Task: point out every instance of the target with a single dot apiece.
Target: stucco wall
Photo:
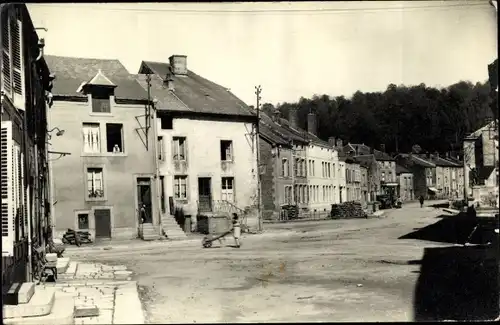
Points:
(406, 191)
(321, 154)
(203, 141)
(119, 170)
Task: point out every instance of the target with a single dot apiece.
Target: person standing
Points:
(236, 229)
(421, 199)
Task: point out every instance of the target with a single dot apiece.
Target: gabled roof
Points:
(476, 134)
(362, 149)
(418, 160)
(100, 80)
(441, 162)
(72, 72)
(166, 98)
(401, 170)
(199, 95)
(267, 133)
(278, 128)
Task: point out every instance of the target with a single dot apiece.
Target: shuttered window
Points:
(6, 63)
(7, 190)
(12, 58)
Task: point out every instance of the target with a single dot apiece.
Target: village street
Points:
(336, 270)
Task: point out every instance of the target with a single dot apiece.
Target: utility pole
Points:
(258, 91)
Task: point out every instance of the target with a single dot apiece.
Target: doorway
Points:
(144, 207)
(102, 223)
(205, 194)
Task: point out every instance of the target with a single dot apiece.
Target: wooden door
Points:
(102, 223)
(204, 194)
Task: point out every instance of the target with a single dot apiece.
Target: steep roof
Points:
(418, 160)
(72, 72)
(198, 94)
(101, 80)
(476, 134)
(401, 170)
(363, 149)
(267, 133)
(441, 162)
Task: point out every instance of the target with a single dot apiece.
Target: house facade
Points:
(206, 144)
(104, 178)
(424, 174)
(373, 169)
(353, 180)
(365, 172)
(25, 99)
(406, 184)
(481, 179)
(447, 173)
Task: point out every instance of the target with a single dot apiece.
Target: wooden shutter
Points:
(7, 190)
(16, 57)
(6, 62)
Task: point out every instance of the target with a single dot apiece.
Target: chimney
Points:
(312, 123)
(276, 115)
(437, 154)
(292, 118)
(382, 147)
(448, 155)
(169, 82)
(178, 65)
(340, 143)
(331, 141)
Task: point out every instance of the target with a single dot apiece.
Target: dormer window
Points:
(100, 89)
(101, 100)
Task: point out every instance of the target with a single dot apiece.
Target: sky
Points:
(292, 50)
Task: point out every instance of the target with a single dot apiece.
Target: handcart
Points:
(209, 239)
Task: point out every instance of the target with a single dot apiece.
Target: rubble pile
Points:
(347, 210)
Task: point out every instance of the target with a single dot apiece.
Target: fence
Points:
(285, 215)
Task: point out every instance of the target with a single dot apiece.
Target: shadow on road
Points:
(456, 229)
(457, 283)
(440, 205)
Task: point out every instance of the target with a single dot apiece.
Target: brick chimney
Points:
(292, 118)
(331, 141)
(339, 143)
(178, 64)
(312, 123)
(382, 147)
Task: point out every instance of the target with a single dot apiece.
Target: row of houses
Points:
(140, 148)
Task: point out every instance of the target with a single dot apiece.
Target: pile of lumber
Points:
(347, 210)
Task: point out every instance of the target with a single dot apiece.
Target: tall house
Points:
(206, 144)
(481, 165)
(104, 177)
(25, 95)
(284, 165)
(424, 174)
(405, 181)
(447, 173)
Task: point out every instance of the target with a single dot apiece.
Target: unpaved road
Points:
(350, 270)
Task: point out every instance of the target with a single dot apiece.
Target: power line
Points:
(282, 11)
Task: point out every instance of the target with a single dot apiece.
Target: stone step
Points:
(19, 293)
(39, 305)
(62, 264)
(62, 313)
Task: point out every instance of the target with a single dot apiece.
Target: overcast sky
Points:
(333, 48)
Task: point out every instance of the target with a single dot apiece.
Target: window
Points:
(383, 177)
(160, 148)
(303, 166)
(179, 148)
(114, 137)
(12, 77)
(162, 194)
(226, 150)
(329, 170)
(313, 169)
(284, 167)
(227, 193)
(83, 221)
(288, 195)
(101, 101)
(333, 170)
(91, 138)
(295, 194)
(310, 168)
(296, 167)
(180, 187)
(166, 122)
(95, 186)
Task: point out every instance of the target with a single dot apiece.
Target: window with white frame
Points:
(161, 149)
(227, 193)
(180, 187)
(296, 167)
(95, 183)
(179, 148)
(288, 195)
(91, 138)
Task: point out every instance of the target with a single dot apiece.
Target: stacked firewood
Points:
(347, 210)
